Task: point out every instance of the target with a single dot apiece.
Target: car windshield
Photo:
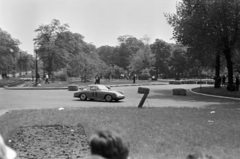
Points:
(102, 87)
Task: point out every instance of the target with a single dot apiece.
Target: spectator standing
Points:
(96, 79)
(237, 83)
(134, 78)
(46, 79)
(108, 145)
(5, 151)
(99, 77)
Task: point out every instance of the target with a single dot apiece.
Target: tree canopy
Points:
(205, 24)
(8, 51)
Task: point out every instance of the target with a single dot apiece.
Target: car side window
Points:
(93, 88)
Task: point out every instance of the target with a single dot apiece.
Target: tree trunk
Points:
(230, 69)
(217, 83)
(227, 53)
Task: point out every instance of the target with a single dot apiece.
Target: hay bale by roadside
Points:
(179, 91)
(142, 89)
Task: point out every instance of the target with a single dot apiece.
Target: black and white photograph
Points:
(119, 79)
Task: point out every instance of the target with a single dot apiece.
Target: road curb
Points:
(35, 88)
(213, 95)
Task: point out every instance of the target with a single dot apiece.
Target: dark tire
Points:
(83, 96)
(108, 98)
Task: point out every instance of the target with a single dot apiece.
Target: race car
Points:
(99, 92)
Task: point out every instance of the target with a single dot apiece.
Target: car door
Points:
(100, 93)
(93, 92)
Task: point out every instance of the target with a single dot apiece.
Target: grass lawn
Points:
(217, 91)
(153, 133)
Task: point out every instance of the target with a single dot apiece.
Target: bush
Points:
(143, 77)
(231, 88)
(61, 77)
(145, 74)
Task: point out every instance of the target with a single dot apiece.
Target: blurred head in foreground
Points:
(5, 151)
(109, 145)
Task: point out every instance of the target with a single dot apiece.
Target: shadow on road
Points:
(96, 101)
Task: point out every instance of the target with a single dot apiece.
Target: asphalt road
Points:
(159, 96)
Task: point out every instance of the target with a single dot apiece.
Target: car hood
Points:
(114, 91)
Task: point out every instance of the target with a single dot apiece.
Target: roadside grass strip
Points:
(152, 132)
(216, 92)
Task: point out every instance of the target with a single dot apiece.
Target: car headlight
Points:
(119, 94)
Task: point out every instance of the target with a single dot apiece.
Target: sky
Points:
(101, 22)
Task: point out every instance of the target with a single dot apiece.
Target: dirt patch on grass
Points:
(50, 142)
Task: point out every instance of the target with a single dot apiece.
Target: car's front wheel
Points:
(108, 98)
(83, 96)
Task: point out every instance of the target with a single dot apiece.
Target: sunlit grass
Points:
(153, 132)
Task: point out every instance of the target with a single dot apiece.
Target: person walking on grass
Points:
(106, 144)
(46, 79)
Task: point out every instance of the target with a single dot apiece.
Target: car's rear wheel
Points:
(108, 98)
(83, 96)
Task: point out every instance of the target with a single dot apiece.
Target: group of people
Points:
(4, 75)
(97, 79)
(222, 81)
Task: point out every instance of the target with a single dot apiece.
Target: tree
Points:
(162, 52)
(8, 51)
(25, 61)
(124, 53)
(208, 24)
(85, 61)
(54, 46)
(179, 62)
(106, 54)
(141, 60)
(122, 56)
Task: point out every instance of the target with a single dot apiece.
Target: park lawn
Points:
(217, 91)
(153, 133)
